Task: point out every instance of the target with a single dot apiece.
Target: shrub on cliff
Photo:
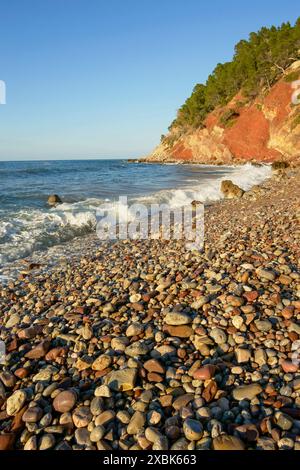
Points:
(257, 64)
(229, 117)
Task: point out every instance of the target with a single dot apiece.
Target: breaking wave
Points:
(28, 230)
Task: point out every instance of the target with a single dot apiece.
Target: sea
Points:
(28, 225)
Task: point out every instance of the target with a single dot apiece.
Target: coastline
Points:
(233, 163)
(36, 234)
(145, 345)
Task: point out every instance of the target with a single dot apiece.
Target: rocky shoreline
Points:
(146, 345)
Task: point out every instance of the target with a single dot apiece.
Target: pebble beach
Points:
(146, 345)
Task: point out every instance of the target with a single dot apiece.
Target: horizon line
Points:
(67, 159)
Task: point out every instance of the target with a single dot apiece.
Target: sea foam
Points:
(30, 230)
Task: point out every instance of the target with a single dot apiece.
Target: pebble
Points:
(8, 379)
(177, 318)
(122, 380)
(105, 417)
(32, 414)
(97, 433)
(15, 402)
(103, 391)
(82, 417)
(47, 442)
(286, 444)
(96, 406)
(218, 335)
(237, 322)
(12, 321)
(31, 443)
(65, 401)
(135, 329)
(246, 392)
(136, 423)
(242, 355)
(205, 373)
(102, 362)
(263, 325)
(290, 367)
(283, 421)
(153, 365)
(266, 274)
(82, 437)
(265, 443)
(225, 442)
(39, 351)
(193, 430)
(260, 357)
(136, 349)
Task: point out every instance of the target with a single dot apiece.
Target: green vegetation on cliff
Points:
(256, 65)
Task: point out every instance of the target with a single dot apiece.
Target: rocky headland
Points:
(261, 129)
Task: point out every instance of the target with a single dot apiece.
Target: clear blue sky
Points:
(95, 78)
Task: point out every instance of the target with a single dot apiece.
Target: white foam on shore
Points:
(33, 230)
(209, 189)
(245, 177)
(28, 231)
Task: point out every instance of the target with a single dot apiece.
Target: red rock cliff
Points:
(263, 130)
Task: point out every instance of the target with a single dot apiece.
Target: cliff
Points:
(264, 129)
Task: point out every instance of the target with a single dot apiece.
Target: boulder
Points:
(280, 165)
(231, 190)
(54, 199)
